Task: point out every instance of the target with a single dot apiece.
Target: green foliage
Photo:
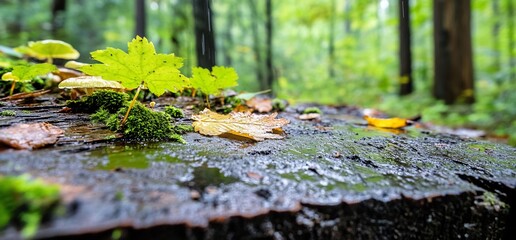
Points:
(108, 100)
(25, 201)
(279, 104)
(28, 72)
(214, 82)
(183, 128)
(174, 112)
(312, 110)
(140, 65)
(8, 113)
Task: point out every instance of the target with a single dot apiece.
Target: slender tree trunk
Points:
(378, 31)
(140, 18)
(259, 66)
(229, 39)
(406, 83)
(453, 62)
(511, 45)
(18, 26)
(58, 10)
(495, 32)
(347, 17)
(331, 42)
(204, 37)
(269, 73)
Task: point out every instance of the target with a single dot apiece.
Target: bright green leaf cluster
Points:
(214, 82)
(25, 73)
(26, 200)
(140, 65)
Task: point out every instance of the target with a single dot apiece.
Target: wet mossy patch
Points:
(109, 100)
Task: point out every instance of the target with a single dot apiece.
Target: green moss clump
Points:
(8, 113)
(142, 123)
(279, 104)
(26, 202)
(312, 110)
(174, 112)
(110, 100)
(101, 116)
(183, 128)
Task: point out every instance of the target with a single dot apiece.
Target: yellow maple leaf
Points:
(386, 122)
(242, 124)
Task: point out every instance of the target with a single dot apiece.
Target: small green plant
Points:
(213, 82)
(26, 201)
(142, 123)
(312, 110)
(7, 113)
(279, 104)
(25, 73)
(140, 67)
(174, 112)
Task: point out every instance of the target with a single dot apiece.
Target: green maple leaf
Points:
(25, 73)
(140, 65)
(214, 82)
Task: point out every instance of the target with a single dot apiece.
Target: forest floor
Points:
(330, 178)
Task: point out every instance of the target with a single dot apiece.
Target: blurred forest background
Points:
(326, 51)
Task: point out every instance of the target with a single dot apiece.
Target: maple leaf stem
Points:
(131, 105)
(208, 100)
(12, 88)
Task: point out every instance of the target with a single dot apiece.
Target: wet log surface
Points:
(330, 179)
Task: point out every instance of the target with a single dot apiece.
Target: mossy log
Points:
(334, 178)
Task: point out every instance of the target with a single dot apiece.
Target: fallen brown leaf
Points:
(251, 126)
(30, 136)
(262, 105)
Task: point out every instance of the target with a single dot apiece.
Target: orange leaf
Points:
(386, 122)
(247, 125)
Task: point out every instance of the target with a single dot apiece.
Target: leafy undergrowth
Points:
(493, 111)
(26, 202)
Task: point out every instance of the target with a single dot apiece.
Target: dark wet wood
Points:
(332, 178)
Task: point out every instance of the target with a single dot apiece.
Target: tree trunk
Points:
(228, 61)
(347, 17)
(453, 63)
(269, 71)
(495, 31)
(331, 42)
(406, 85)
(204, 37)
(511, 45)
(140, 18)
(58, 10)
(259, 66)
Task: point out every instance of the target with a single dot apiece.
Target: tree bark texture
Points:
(58, 10)
(204, 36)
(406, 83)
(511, 44)
(140, 18)
(453, 62)
(269, 73)
(257, 44)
